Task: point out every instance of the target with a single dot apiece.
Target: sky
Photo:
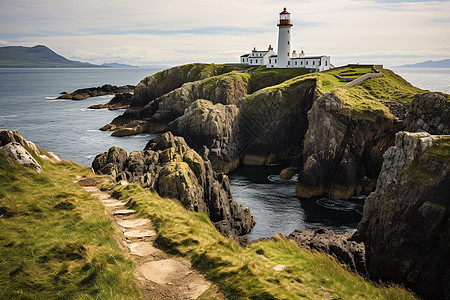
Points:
(174, 32)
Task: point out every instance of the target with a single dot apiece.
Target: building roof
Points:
(308, 57)
(284, 11)
(272, 56)
(245, 55)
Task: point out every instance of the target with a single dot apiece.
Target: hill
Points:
(38, 56)
(445, 63)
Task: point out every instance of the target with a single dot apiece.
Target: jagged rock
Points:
(348, 252)
(12, 136)
(120, 101)
(158, 113)
(268, 127)
(20, 155)
(342, 153)
(406, 221)
(428, 112)
(106, 89)
(171, 168)
(213, 126)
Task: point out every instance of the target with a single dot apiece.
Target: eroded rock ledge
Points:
(172, 169)
(346, 251)
(106, 89)
(406, 221)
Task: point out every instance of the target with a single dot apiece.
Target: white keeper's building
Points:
(285, 58)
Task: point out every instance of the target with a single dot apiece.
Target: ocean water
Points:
(28, 103)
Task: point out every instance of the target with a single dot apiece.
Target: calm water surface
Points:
(28, 104)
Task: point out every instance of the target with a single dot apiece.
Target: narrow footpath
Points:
(158, 274)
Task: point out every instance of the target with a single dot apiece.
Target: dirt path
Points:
(159, 275)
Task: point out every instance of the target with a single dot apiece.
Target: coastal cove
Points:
(71, 130)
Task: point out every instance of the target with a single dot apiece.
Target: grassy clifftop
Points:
(55, 240)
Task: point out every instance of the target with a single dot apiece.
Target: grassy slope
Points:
(248, 273)
(56, 241)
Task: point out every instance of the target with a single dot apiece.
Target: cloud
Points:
(173, 32)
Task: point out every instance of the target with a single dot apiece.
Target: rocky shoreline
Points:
(338, 147)
(106, 89)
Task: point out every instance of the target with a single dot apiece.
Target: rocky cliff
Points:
(342, 153)
(428, 112)
(406, 221)
(172, 169)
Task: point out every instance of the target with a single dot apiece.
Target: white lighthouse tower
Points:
(284, 39)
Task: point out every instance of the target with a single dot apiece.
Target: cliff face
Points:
(406, 221)
(428, 112)
(267, 126)
(272, 123)
(343, 150)
(172, 169)
(210, 128)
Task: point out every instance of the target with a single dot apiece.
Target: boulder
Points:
(346, 251)
(406, 221)
(171, 168)
(19, 154)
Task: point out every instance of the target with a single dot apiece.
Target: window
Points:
(326, 63)
(314, 63)
(275, 60)
(289, 63)
(288, 42)
(288, 54)
(306, 62)
(295, 62)
(251, 61)
(288, 30)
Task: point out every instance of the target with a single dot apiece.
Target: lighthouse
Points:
(285, 58)
(284, 39)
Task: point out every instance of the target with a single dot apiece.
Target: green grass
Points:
(391, 87)
(55, 240)
(359, 102)
(350, 72)
(247, 273)
(440, 151)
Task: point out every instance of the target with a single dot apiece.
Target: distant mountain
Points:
(38, 56)
(116, 65)
(429, 64)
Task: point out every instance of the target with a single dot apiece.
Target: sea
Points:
(29, 104)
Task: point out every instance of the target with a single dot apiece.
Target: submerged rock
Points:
(172, 169)
(406, 221)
